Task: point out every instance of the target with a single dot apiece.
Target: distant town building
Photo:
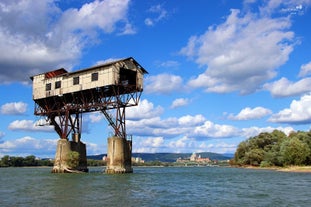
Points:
(134, 159)
(137, 160)
(194, 158)
(105, 158)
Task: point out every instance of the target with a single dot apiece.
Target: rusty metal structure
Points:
(61, 97)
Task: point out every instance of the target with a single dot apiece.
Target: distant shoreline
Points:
(296, 169)
(302, 169)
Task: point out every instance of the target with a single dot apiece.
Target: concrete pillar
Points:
(63, 158)
(119, 156)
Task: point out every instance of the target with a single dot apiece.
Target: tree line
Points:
(275, 149)
(31, 160)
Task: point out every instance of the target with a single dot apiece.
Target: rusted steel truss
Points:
(65, 112)
(66, 124)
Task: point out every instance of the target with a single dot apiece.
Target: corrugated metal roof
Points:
(54, 73)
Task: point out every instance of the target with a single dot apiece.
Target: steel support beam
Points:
(65, 112)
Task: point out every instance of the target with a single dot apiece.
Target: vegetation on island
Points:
(29, 161)
(275, 149)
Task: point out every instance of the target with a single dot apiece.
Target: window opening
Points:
(94, 76)
(127, 77)
(57, 84)
(76, 80)
(48, 86)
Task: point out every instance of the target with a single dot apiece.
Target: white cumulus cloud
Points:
(38, 35)
(15, 108)
(180, 144)
(144, 110)
(299, 112)
(191, 120)
(96, 117)
(96, 14)
(29, 125)
(250, 113)
(212, 130)
(285, 88)
(163, 84)
(305, 70)
(153, 142)
(254, 131)
(240, 54)
(180, 102)
(28, 146)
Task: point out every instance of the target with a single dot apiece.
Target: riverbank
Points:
(296, 169)
(306, 169)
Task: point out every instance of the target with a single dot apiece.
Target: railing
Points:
(129, 137)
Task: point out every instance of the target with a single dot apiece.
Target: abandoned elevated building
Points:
(61, 97)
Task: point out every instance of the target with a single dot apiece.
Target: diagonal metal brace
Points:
(112, 123)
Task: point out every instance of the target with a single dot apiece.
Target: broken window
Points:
(127, 77)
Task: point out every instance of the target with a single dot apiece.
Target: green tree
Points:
(30, 161)
(45, 162)
(294, 151)
(262, 140)
(275, 148)
(17, 161)
(254, 156)
(273, 156)
(239, 155)
(305, 137)
(5, 161)
(91, 162)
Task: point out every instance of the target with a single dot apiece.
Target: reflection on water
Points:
(170, 186)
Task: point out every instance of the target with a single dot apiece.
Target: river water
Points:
(158, 186)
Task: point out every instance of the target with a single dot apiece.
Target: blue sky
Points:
(219, 71)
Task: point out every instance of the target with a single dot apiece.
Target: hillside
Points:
(168, 157)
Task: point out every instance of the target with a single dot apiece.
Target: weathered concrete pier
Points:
(119, 155)
(70, 156)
